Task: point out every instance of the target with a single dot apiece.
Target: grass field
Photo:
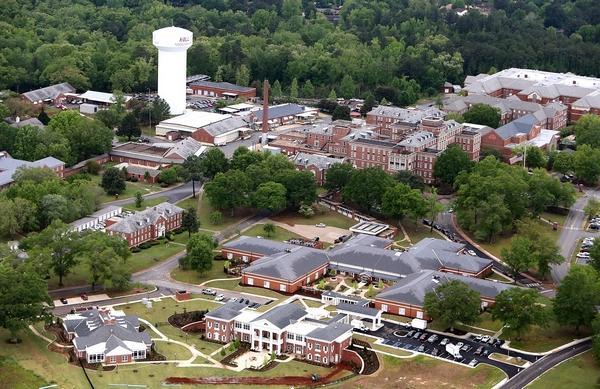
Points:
(147, 203)
(136, 262)
(131, 188)
(172, 351)
(417, 232)
(581, 372)
(193, 277)
(280, 233)
(14, 376)
(205, 209)
(234, 285)
(323, 215)
(428, 373)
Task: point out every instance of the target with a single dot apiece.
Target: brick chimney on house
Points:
(265, 112)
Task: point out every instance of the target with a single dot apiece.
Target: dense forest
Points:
(398, 49)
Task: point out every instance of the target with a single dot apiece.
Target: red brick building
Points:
(222, 89)
(317, 164)
(147, 225)
(9, 165)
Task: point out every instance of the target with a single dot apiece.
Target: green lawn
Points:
(581, 372)
(14, 376)
(323, 215)
(554, 217)
(234, 285)
(131, 188)
(280, 233)
(417, 232)
(147, 203)
(136, 262)
(504, 242)
(193, 277)
(188, 203)
(172, 351)
(205, 209)
(545, 339)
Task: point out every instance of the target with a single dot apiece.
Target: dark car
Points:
(410, 334)
(416, 335)
(479, 350)
(64, 300)
(424, 336)
(421, 348)
(84, 297)
(485, 353)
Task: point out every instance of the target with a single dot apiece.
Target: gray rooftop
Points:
(25, 122)
(407, 115)
(412, 289)
(366, 240)
(280, 111)
(417, 139)
(222, 85)
(522, 125)
(462, 103)
(283, 315)
(331, 332)
(144, 218)
(49, 92)
(429, 253)
(322, 162)
(260, 246)
(288, 265)
(227, 311)
(358, 300)
(9, 165)
(356, 308)
(226, 125)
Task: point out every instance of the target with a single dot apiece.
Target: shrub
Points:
(145, 245)
(154, 243)
(135, 250)
(92, 167)
(133, 179)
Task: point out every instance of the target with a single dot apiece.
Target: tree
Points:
(347, 87)
(129, 126)
(586, 164)
(242, 76)
(332, 95)
(518, 309)
(190, 221)
(269, 229)
(308, 90)
(577, 297)
(160, 110)
(23, 293)
(276, 91)
(594, 260)
(535, 158)
(243, 158)
(453, 302)
(366, 187)
(368, 105)
(57, 245)
(450, 163)
(563, 162)
(291, 8)
(434, 207)
(194, 169)
(139, 200)
(168, 176)
(306, 210)
(215, 218)
(199, 253)
(400, 200)
(408, 178)
(103, 254)
(483, 114)
(519, 257)
(338, 175)
(596, 338)
(294, 89)
(341, 112)
(228, 190)
(587, 130)
(270, 196)
(113, 182)
(300, 187)
(592, 208)
(213, 162)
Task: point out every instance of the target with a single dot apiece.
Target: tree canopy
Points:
(483, 114)
(453, 302)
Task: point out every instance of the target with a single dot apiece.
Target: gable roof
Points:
(227, 311)
(283, 315)
(222, 85)
(279, 111)
(330, 332)
(289, 265)
(226, 125)
(321, 162)
(413, 288)
(522, 125)
(49, 92)
(144, 218)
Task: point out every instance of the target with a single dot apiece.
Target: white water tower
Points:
(172, 44)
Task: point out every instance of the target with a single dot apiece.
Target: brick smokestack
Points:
(265, 112)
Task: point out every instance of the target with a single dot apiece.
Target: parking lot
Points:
(472, 352)
(583, 256)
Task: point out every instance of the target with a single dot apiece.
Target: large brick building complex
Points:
(578, 93)
(146, 225)
(284, 329)
(221, 89)
(9, 165)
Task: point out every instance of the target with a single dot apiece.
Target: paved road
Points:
(391, 331)
(572, 231)
(173, 195)
(526, 376)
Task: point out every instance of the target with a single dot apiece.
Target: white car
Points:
(219, 297)
(473, 362)
(583, 255)
(471, 252)
(321, 225)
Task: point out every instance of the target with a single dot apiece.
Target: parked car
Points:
(410, 334)
(479, 350)
(444, 342)
(219, 297)
(321, 225)
(465, 348)
(485, 338)
(435, 352)
(478, 338)
(473, 362)
(432, 338)
(84, 297)
(64, 300)
(485, 353)
(423, 337)
(498, 343)
(471, 252)
(583, 255)
(492, 341)
(416, 335)
(459, 344)
(421, 348)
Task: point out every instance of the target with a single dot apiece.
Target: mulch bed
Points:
(369, 357)
(181, 319)
(287, 381)
(57, 330)
(228, 360)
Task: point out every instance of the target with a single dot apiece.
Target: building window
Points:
(210, 324)
(324, 359)
(216, 326)
(267, 284)
(223, 338)
(290, 336)
(282, 287)
(317, 347)
(247, 327)
(310, 346)
(325, 348)
(384, 307)
(310, 357)
(250, 281)
(125, 358)
(112, 360)
(317, 358)
(209, 335)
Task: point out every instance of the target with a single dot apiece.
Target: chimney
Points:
(265, 112)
